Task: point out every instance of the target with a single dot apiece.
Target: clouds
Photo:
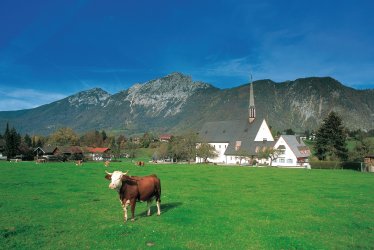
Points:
(17, 99)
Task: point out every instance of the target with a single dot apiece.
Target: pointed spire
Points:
(251, 108)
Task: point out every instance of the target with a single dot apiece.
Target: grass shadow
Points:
(164, 208)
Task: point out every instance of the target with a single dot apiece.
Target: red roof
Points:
(165, 137)
(97, 150)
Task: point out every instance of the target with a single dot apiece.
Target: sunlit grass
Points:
(61, 206)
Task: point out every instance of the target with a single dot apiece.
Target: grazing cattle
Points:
(140, 163)
(79, 163)
(41, 160)
(135, 188)
(107, 163)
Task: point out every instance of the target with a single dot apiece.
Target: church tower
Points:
(251, 108)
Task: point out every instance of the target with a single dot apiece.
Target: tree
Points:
(121, 141)
(64, 136)
(92, 138)
(269, 153)
(289, 131)
(12, 142)
(104, 135)
(242, 154)
(161, 152)
(177, 148)
(363, 148)
(205, 151)
(190, 140)
(28, 140)
(146, 140)
(331, 139)
(131, 149)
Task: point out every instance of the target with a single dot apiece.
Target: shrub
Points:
(335, 165)
(325, 164)
(351, 165)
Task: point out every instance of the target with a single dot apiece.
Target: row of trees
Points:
(330, 143)
(180, 148)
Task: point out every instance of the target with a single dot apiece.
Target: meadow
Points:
(62, 206)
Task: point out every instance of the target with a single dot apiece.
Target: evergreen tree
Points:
(12, 142)
(104, 135)
(331, 139)
(28, 140)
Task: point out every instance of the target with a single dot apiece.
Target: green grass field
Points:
(61, 206)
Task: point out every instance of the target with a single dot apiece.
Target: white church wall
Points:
(264, 133)
(220, 148)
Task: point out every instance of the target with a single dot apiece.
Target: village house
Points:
(291, 151)
(246, 139)
(97, 154)
(165, 137)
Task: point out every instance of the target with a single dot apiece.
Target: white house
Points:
(292, 152)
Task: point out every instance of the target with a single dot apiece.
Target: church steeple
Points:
(251, 108)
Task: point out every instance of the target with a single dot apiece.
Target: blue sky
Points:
(52, 49)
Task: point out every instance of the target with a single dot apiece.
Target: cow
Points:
(107, 163)
(78, 163)
(140, 163)
(41, 160)
(135, 188)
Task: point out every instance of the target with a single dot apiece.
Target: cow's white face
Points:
(116, 180)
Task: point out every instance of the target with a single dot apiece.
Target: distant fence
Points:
(336, 165)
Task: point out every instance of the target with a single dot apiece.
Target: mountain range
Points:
(175, 103)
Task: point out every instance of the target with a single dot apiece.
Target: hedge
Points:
(335, 165)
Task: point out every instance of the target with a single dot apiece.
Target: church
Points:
(242, 141)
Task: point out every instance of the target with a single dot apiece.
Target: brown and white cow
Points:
(135, 188)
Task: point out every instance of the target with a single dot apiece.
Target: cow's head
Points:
(115, 179)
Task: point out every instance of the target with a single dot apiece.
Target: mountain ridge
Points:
(176, 103)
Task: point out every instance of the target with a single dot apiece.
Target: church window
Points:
(281, 160)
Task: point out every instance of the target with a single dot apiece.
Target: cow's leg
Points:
(124, 206)
(133, 203)
(158, 203)
(149, 208)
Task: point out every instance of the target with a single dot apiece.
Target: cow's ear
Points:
(108, 177)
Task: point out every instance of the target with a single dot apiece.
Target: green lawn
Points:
(61, 206)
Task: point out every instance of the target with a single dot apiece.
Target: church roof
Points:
(233, 131)
(220, 131)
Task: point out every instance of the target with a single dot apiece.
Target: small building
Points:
(97, 154)
(44, 152)
(69, 153)
(165, 137)
(369, 162)
(291, 152)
